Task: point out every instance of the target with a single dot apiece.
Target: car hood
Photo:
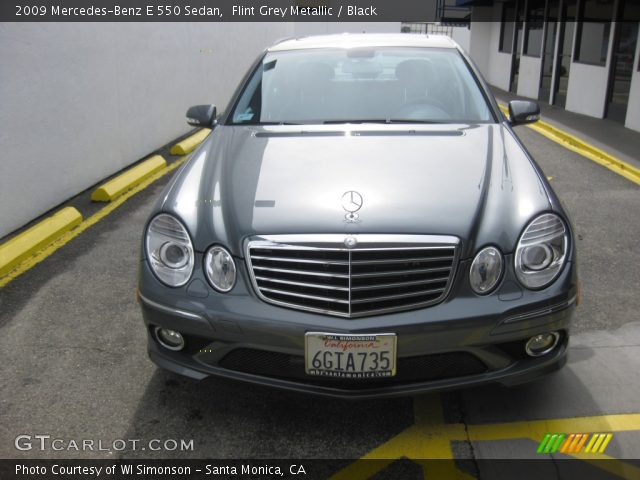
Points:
(475, 182)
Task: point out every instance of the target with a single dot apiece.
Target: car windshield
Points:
(362, 85)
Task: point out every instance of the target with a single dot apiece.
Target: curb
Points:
(37, 237)
(190, 143)
(583, 148)
(115, 187)
(40, 252)
(32, 246)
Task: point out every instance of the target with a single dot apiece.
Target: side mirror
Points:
(202, 116)
(522, 112)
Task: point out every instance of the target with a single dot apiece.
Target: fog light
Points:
(542, 344)
(169, 338)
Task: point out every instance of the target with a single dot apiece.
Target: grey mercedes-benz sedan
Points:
(362, 221)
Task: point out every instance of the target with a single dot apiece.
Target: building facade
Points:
(581, 55)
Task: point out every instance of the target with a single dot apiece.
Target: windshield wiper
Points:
(408, 120)
(266, 123)
(329, 122)
(279, 123)
(378, 120)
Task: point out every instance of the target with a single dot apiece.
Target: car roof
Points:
(355, 40)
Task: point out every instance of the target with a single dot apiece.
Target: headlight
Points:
(220, 269)
(541, 251)
(486, 270)
(169, 250)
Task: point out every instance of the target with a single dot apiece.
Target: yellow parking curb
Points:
(190, 143)
(40, 254)
(22, 246)
(585, 149)
(115, 187)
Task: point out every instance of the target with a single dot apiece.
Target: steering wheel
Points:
(422, 109)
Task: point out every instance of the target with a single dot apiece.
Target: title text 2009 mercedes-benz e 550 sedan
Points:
(362, 221)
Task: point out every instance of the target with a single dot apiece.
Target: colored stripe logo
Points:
(574, 443)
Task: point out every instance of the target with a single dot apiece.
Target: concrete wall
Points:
(587, 90)
(462, 35)
(323, 28)
(479, 39)
(529, 76)
(499, 62)
(81, 101)
(633, 108)
(484, 42)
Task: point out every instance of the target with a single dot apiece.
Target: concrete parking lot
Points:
(73, 360)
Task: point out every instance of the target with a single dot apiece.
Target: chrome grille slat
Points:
(401, 295)
(312, 297)
(301, 284)
(381, 274)
(407, 260)
(400, 284)
(301, 272)
(298, 260)
(398, 249)
(399, 272)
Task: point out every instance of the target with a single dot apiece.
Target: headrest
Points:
(315, 71)
(414, 69)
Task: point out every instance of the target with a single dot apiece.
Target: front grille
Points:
(420, 368)
(381, 274)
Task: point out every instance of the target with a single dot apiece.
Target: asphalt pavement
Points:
(73, 360)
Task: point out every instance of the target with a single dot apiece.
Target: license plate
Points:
(350, 356)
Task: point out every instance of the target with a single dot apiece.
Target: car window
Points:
(382, 84)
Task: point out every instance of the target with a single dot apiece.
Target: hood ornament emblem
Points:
(351, 242)
(351, 203)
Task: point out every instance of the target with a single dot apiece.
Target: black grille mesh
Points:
(409, 369)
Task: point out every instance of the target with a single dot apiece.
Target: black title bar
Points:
(251, 11)
(307, 469)
(217, 10)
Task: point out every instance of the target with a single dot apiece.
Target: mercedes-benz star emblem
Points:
(350, 242)
(351, 201)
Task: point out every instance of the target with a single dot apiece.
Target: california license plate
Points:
(350, 356)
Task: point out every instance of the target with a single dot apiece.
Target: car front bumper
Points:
(464, 341)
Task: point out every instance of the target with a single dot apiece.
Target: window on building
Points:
(507, 26)
(534, 24)
(594, 30)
